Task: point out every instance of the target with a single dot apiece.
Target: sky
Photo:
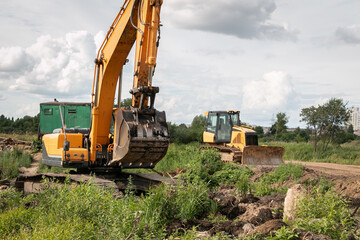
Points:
(257, 56)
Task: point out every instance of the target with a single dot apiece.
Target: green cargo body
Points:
(75, 115)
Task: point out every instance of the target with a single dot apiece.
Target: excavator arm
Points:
(138, 21)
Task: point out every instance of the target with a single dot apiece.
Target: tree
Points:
(183, 134)
(126, 102)
(260, 131)
(279, 127)
(327, 121)
(312, 117)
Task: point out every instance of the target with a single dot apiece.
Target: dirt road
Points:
(332, 168)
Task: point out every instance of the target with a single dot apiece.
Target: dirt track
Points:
(332, 168)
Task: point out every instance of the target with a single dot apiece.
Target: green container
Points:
(75, 115)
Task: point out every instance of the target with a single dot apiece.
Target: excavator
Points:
(238, 143)
(118, 138)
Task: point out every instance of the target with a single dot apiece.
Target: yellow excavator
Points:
(237, 143)
(132, 137)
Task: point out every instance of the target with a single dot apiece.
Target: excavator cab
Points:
(219, 126)
(237, 143)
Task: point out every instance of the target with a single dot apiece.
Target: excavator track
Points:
(34, 183)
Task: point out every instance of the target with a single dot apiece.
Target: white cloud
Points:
(51, 67)
(99, 39)
(349, 34)
(274, 93)
(240, 18)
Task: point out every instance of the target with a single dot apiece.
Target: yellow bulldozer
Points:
(237, 143)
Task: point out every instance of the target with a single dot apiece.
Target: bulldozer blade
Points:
(262, 156)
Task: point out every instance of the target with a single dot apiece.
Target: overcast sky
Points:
(257, 56)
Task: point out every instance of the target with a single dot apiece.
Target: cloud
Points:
(240, 18)
(50, 67)
(349, 34)
(273, 93)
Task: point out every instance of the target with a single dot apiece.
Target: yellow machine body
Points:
(238, 143)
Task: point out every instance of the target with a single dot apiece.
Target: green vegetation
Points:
(11, 161)
(89, 212)
(23, 125)
(347, 153)
(321, 212)
(30, 137)
(271, 183)
(183, 134)
(327, 122)
(46, 169)
(178, 156)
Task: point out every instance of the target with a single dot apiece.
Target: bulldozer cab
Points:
(219, 126)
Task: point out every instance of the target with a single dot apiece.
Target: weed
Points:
(11, 161)
(244, 185)
(347, 153)
(283, 233)
(193, 201)
(325, 213)
(269, 183)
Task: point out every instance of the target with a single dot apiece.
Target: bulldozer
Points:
(238, 143)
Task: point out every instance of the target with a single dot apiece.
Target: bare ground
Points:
(345, 177)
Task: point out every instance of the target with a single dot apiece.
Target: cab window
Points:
(211, 122)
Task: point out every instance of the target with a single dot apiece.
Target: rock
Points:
(228, 204)
(203, 235)
(261, 215)
(265, 229)
(293, 196)
(248, 227)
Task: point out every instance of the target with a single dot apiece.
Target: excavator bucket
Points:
(262, 156)
(140, 140)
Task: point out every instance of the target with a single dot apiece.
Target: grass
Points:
(321, 212)
(11, 161)
(46, 169)
(23, 137)
(348, 153)
(178, 156)
(89, 212)
(271, 183)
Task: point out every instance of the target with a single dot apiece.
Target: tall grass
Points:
(178, 156)
(348, 153)
(89, 212)
(266, 185)
(24, 137)
(11, 161)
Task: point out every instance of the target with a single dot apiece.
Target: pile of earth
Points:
(9, 144)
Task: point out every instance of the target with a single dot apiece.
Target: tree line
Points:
(26, 124)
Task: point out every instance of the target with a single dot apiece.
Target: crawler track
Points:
(32, 183)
